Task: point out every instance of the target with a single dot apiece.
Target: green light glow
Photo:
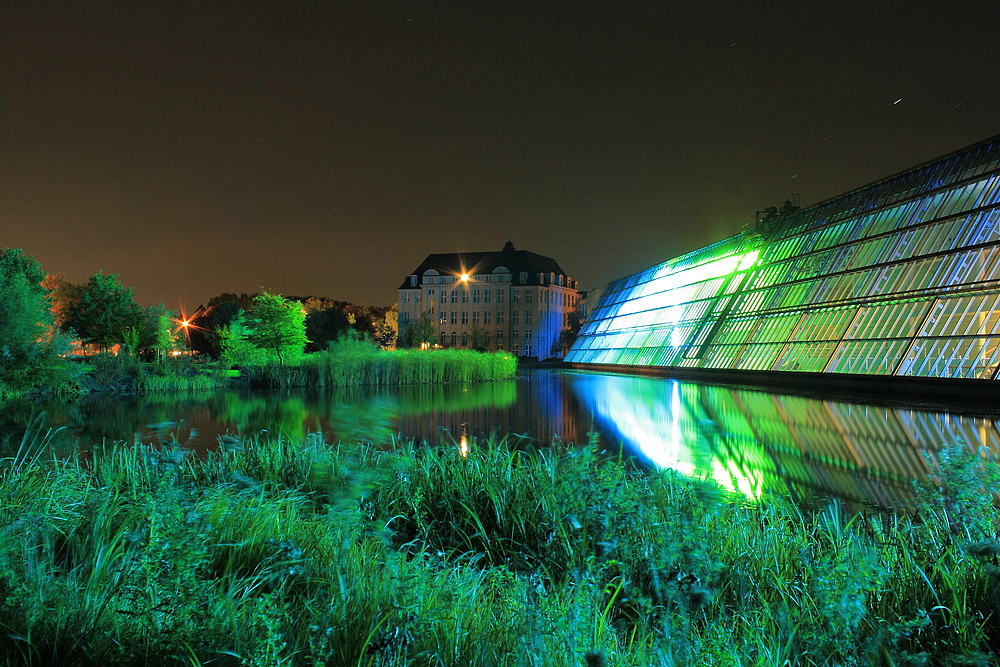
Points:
(907, 284)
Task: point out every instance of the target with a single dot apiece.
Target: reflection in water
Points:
(752, 441)
(749, 441)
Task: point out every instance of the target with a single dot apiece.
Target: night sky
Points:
(325, 148)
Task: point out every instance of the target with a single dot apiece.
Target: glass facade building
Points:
(898, 278)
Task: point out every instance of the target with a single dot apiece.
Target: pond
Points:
(747, 440)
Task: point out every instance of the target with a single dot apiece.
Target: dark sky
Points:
(326, 148)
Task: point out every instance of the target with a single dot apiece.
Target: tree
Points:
(386, 329)
(235, 346)
(160, 336)
(568, 335)
(62, 294)
(104, 311)
(29, 345)
(421, 333)
(278, 326)
(477, 337)
(324, 325)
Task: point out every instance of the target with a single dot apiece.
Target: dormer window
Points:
(524, 276)
(413, 280)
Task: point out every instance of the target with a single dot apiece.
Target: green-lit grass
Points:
(352, 362)
(280, 552)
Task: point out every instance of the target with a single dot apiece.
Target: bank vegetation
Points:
(278, 552)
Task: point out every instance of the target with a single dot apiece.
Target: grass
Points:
(348, 363)
(282, 552)
(352, 362)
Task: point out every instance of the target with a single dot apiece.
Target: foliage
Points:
(30, 348)
(103, 312)
(159, 335)
(62, 294)
(325, 325)
(278, 326)
(302, 552)
(420, 334)
(385, 329)
(235, 346)
(569, 335)
(115, 371)
(477, 337)
(352, 362)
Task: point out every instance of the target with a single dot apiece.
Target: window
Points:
(454, 338)
(431, 292)
(499, 296)
(406, 316)
(515, 295)
(416, 297)
(514, 334)
(527, 295)
(475, 296)
(527, 334)
(527, 316)
(499, 336)
(486, 296)
(444, 318)
(465, 317)
(406, 297)
(527, 349)
(516, 349)
(413, 281)
(486, 316)
(515, 316)
(454, 317)
(454, 296)
(465, 339)
(443, 339)
(465, 296)
(475, 317)
(524, 276)
(499, 317)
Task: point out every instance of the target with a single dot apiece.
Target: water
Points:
(749, 441)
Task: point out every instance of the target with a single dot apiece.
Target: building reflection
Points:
(748, 441)
(755, 442)
(536, 408)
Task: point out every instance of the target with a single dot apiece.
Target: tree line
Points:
(45, 319)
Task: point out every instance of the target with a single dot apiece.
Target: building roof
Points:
(515, 261)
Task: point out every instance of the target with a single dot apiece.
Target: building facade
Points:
(898, 278)
(510, 299)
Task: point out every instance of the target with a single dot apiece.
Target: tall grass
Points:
(353, 362)
(301, 552)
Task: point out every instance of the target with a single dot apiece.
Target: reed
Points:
(354, 362)
(281, 551)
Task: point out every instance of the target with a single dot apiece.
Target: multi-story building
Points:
(510, 299)
(899, 279)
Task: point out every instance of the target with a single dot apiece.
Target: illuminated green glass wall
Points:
(901, 277)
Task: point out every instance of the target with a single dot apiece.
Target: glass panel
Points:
(805, 357)
(758, 357)
(868, 357)
(952, 358)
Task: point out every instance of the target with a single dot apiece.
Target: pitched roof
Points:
(515, 261)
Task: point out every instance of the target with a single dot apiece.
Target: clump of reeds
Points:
(306, 552)
(354, 362)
